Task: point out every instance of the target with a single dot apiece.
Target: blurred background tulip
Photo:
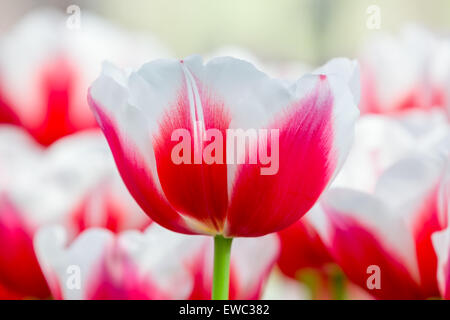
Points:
(46, 68)
(155, 264)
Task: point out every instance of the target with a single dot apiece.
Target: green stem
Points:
(221, 276)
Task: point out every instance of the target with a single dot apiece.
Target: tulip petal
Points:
(210, 96)
(250, 265)
(379, 142)
(18, 151)
(19, 268)
(444, 198)
(315, 134)
(348, 70)
(252, 262)
(302, 247)
(67, 270)
(140, 113)
(441, 243)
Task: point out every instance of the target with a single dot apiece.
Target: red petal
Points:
(137, 177)
(262, 204)
(196, 190)
(7, 115)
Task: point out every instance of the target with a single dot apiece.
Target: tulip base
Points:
(221, 275)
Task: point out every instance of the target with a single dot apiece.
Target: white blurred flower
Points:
(45, 69)
(408, 72)
(155, 264)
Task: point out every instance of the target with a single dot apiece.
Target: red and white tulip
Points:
(45, 70)
(140, 111)
(73, 182)
(155, 264)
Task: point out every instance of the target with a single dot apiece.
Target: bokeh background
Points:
(309, 30)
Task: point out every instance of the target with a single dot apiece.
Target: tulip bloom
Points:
(56, 70)
(441, 240)
(144, 114)
(387, 234)
(314, 116)
(302, 248)
(405, 73)
(305, 258)
(73, 183)
(155, 264)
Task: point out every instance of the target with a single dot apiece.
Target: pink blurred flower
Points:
(441, 240)
(155, 264)
(20, 273)
(302, 248)
(405, 73)
(139, 112)
(305, 258)
(390, 228)
(287, 70)
(45, 69)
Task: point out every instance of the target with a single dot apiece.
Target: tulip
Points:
(170, 124)
(382, 240)
(444, 199)
(287, 70)
(155, 264)
(381, 141)
(399, 74)
(304, 256)
(73, 183)
(20, 274)
(302, 248)
(53, 65)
